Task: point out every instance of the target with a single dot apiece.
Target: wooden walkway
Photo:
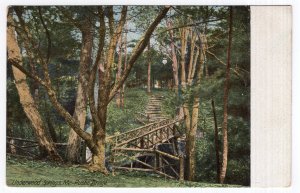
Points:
(137, 149)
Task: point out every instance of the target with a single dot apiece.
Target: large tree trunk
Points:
(185, 106)
(191, 119)
(149, 70)
(73, 148)
(192, 129)
(191, 140)
(226, 93)
(26, 99)
(98, 157)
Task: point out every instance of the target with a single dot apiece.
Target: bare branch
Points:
(196, 24)
(234, 70)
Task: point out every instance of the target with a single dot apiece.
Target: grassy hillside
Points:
(22, 172)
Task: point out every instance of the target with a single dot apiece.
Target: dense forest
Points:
(86, 84)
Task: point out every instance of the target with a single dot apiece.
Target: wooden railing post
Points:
(160, 163)
(157, 160)
(181, 168)
(142, 142)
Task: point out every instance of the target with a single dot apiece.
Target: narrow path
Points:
(153, 109)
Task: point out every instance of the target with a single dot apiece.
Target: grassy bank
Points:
(32, 173)
(124, 119)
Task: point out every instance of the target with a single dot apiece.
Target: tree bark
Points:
(191, 139)
(225, 99)
(149, 70)
(185, 106)
(183, 38)
(174, 58)
(217, 149)
(26, 99)
(125, 66)
(118, 76)
(73, 147)
(191, 119)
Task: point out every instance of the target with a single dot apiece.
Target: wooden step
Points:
(153, 109)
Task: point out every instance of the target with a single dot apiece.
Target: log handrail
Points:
(139, 128)
(147, 133)
(153, 168)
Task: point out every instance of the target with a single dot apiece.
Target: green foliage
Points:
(121, 120)
(171, 104)
(63, 69)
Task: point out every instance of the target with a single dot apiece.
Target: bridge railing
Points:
(161, 162)
(118, 139)
(150, 138)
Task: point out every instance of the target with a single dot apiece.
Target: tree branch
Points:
(52, 96)
(140, 46)
(16, 64)
(106, 85)
(190, 25)
(234, 70)
(93, 72)
(47, 35)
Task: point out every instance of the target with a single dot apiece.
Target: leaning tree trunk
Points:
(226, 93)
(73, 148)
(26, 99)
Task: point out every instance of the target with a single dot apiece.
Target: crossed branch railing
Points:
(128, 146)
(145, 136)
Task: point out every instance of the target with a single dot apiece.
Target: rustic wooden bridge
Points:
(142, 148)
(153, 147)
